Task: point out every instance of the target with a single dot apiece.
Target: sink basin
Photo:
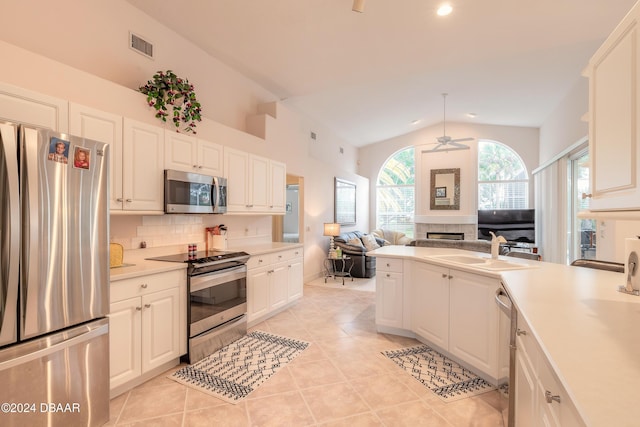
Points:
(483, 262)
(463, 259)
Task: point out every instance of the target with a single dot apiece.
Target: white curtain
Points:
(550, 188)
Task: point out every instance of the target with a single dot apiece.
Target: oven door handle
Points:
(217, 278)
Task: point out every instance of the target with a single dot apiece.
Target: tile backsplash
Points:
(167, 230)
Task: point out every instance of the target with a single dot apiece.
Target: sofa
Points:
(356, 244)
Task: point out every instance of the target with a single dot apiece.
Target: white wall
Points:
(522, 140)
(567, 124)
(92, 65)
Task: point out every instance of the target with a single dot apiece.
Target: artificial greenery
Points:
(168, 89)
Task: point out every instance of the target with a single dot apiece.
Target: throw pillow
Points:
(370, 242)
(356, 242)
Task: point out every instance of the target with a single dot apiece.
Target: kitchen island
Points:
(586, 331)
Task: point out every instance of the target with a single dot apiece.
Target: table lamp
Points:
(331, 229)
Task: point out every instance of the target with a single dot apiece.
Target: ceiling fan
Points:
(445, 142)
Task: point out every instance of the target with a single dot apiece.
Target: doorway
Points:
(582, 243)
(289, 227)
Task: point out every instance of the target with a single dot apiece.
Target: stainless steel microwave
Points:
(186, 192)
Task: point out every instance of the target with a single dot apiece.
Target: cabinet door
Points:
(278, 187)
(614, 125)
(236, 168)
(474, 321)
(525, 390)
(104, 127)
(32, 108)
(430, 302)
(257, 293)
(389, 299)
(180, 152)
(259, 184)
(160, 323)
(278, 285)
(210, 158)
(296, 280)
(124, 341)
(143, 167)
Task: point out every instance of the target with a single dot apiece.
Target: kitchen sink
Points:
(484, 263)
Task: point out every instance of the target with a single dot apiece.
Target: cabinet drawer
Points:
(293, 253)
(137, 286)
(389, 264)
(257, 261)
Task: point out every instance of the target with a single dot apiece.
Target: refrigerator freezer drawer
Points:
(58, 380)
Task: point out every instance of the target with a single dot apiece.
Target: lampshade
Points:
(331, 229)
(358, 6)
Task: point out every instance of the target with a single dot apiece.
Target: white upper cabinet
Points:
(189, 154)
(32, 108)
(104, 127)
(614, 111)
(255, 184)
(142, 167)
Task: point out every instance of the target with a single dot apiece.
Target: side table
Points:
(338, 267)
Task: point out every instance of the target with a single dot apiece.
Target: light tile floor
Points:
(340, 380)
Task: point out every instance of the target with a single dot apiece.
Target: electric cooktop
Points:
(202, 257)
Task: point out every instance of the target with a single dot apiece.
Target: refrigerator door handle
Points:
(10, 233)
(70, 342)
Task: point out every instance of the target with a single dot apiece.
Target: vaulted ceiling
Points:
(368, 75)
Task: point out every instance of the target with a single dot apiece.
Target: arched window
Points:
(395, 193)
(503, 181)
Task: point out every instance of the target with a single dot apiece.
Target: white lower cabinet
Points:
(541, 400)
(389, 292)
(451, 309)
(147, 324)
(474, 321)
(430, 302)
(274, 280)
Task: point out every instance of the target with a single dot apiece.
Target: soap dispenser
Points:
(495, 244)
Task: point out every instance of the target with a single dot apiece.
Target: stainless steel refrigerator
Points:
(54, 271)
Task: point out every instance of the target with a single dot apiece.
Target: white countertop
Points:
(589, 332)
(136, 264)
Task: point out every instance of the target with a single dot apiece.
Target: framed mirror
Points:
(344, 202)
(445, 189)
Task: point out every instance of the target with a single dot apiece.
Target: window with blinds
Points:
(395, 193)
(503, 182)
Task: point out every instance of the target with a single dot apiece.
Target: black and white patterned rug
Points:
(446, 378)
(237, 369)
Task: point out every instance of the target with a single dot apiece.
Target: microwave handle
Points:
(215, 194)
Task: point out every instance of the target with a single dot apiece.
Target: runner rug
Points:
(237, 369)
(446, 378)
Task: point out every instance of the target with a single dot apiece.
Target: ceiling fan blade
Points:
(455, 144)
(462, 139)
(445, 148)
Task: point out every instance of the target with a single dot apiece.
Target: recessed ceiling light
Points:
(472, 115)
(445, 9)
(415, 122)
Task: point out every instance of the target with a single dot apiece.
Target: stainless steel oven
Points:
(217, 300)
(217, 309)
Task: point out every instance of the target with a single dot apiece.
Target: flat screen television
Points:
(515, 225)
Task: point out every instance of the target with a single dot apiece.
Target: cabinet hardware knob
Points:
(450, 277)
(138, 308)
(550, 398)
(200, 167)
(521, 332)
(147, 306)
(119, 200)
(195, 166)
(586, 196)
(444, 276)
(388, 265)
(144, 286)
(129, 200)
(388, 275)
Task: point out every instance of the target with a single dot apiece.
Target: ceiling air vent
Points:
(140, 45)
